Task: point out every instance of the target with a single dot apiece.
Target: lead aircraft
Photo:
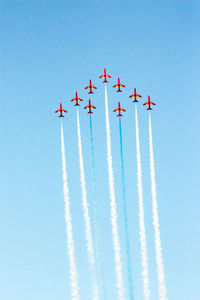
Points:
(105, 75)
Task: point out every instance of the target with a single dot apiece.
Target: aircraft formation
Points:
(94, 252)
(91, 87)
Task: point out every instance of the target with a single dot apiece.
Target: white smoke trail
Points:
(70, 241)
(88, 233)
(159, 259)
(143, 245)
(113, 206)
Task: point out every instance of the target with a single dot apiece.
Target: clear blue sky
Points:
(50, 49)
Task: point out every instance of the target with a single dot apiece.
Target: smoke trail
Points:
(88, 233)
(129, 269)
(113, 207)
(159, 259)
(141, 216)
(70, 241)
(96, 217)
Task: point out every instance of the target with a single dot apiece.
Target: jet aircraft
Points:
(90, 87)
(105, 75)
(61, 110)
(135, 96)
(90, 106)
(119, 109)
(118, 85)
(149, 103)
(77, 99)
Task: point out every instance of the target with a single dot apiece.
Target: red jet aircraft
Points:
(61, 110)
(105, 75)
(149, 103)
(119, 84)
(135, 96)
(77, 99)
(119, 109)
(90, 106)
(90, 86)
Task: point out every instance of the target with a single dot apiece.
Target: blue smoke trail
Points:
(129, 269)
(96, 217)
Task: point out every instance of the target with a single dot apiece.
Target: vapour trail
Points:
(96, 217)
(113, 207)
(129, 269)
(89, 242)
(68, 219)
(142, 232)
(159, 259)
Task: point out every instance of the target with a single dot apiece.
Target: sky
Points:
(50, 49)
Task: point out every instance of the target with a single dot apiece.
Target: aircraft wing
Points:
(123, 109)
(86, 107)
(117, 109)
(153, 103)
(116, 85)
(93, 106)
(57, 110)
(133, 95)
(146, 103)
(122, 85)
